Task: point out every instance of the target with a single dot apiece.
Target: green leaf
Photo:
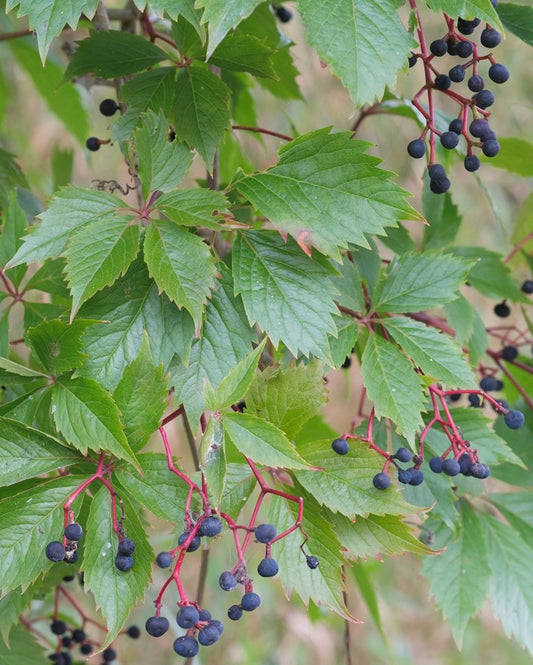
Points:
(323, 585)
(468, 9)
(13, 226)
(234, 386)
(62, 166)
(326, 192)
(244, 53)
(350, 287)
(443, 217)
(363, 41)
(461, 315)
(113, 53)
(58, 345)
(489, 274)
(192, 207)
(343, 345)
(262, 442)
(115, 592)
(159, 490)
(287, 293)
(517, 19)
(20, 370)
(189, 41)
(201, 110)
(458, 577)
(71, 209)
(392, 385)
(213, 460)
(344, 483)
(162, 164)
(25, 532)
(511, 586)
(420, 281)
(225, 338)
(49, 18)
(141, 396)
(374, 535)
(239, 485)
(23, 649)
(222, 16)
(514, 155)
(174, 8)
(11, 607)
(436, 354)
(97, 255)
(181, 264)
(27, 453)
(288, 398)
(88, 418)
(10, 174)
(130, 306)
(64, 101)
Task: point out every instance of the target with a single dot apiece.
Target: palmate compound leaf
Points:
(30, 520)
(289, 294)
(393, 385)
(27, 453)
(115, 592)
(363, 41)
(436, 354)
(458, 576)
(49, 18)
(326, 192)
(344, 484)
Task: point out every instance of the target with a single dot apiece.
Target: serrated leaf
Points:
(420, 281)
(392, 385)
(158, 489)
(225, 338)
(113, 53)
(244, 53)
(58, 345)
(374, 535)
(514, 155)
(458, 576)
(288, 398)
(434, 352)
(343, 344)
(344, 484)
(23, 649)
(88, 418)
(174, 8)
(287, 293)
(240, 483)
(326, 192)
(30, 520)
(20, 370)
(443, 217)
(323, 585)
(129, 307)
(162, 164)
(468, 9)
(222, 16)
(350, 287)
(27, 452)
(213, 460)
(181, 264)
(201, 111)
(97, 255)
(363, 41)
(10, 174)
(14, 222)
(234, 386)
(11, 608)
(511, 586)
(141, 396)
(262, 442)
(518, 20)
(49, 18)
(115, 592)
(193, 207)
(461, 315)
(71, 209)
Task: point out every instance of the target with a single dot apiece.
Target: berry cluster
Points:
(471, 122)
(108, 107)
(68, 549)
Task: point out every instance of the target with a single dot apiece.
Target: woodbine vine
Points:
(192, 292)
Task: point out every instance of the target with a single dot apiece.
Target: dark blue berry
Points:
(227, 581)
(438, 47)
(502, 310)
(134, 632)
(108, 107)
(466, 27)
(250, 601)
(66, 641)
(451, 467)
(416, 148)
(186, 646)
(208, 635)
(490, 38)
(405, 475)
(283, 14)
(484, 99)
(464, 50)
(55, 551)
(235, 612)
(187, 616)
(381, 481)
(193, 545)
(403, 454)
(417, 477)
(472, 163)
(449, 140)
(86, 648)
(457, 73)
(204, 615)
(268, 567)
(108, 655)
(474, 400)
(514, 419)
(527, 286)
(210, 527)
(442, 82)
(78, 635)
(123, 562)
(498, 73)
(412, 60)
(490, 148)
(436, 172)
(440, 186)
(164, 559)
(509, 352)
(435, 464)
(218, 625)
(465, 463)
(126, 546)
(312, 562)
(93, 143)
(265, 533)
(73, 531)
(489, 383)
(480, 471)
(58, 627)
(476, 83)
(456, 125)
(340, 446)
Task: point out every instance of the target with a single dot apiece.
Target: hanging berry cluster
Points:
(464, 84)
